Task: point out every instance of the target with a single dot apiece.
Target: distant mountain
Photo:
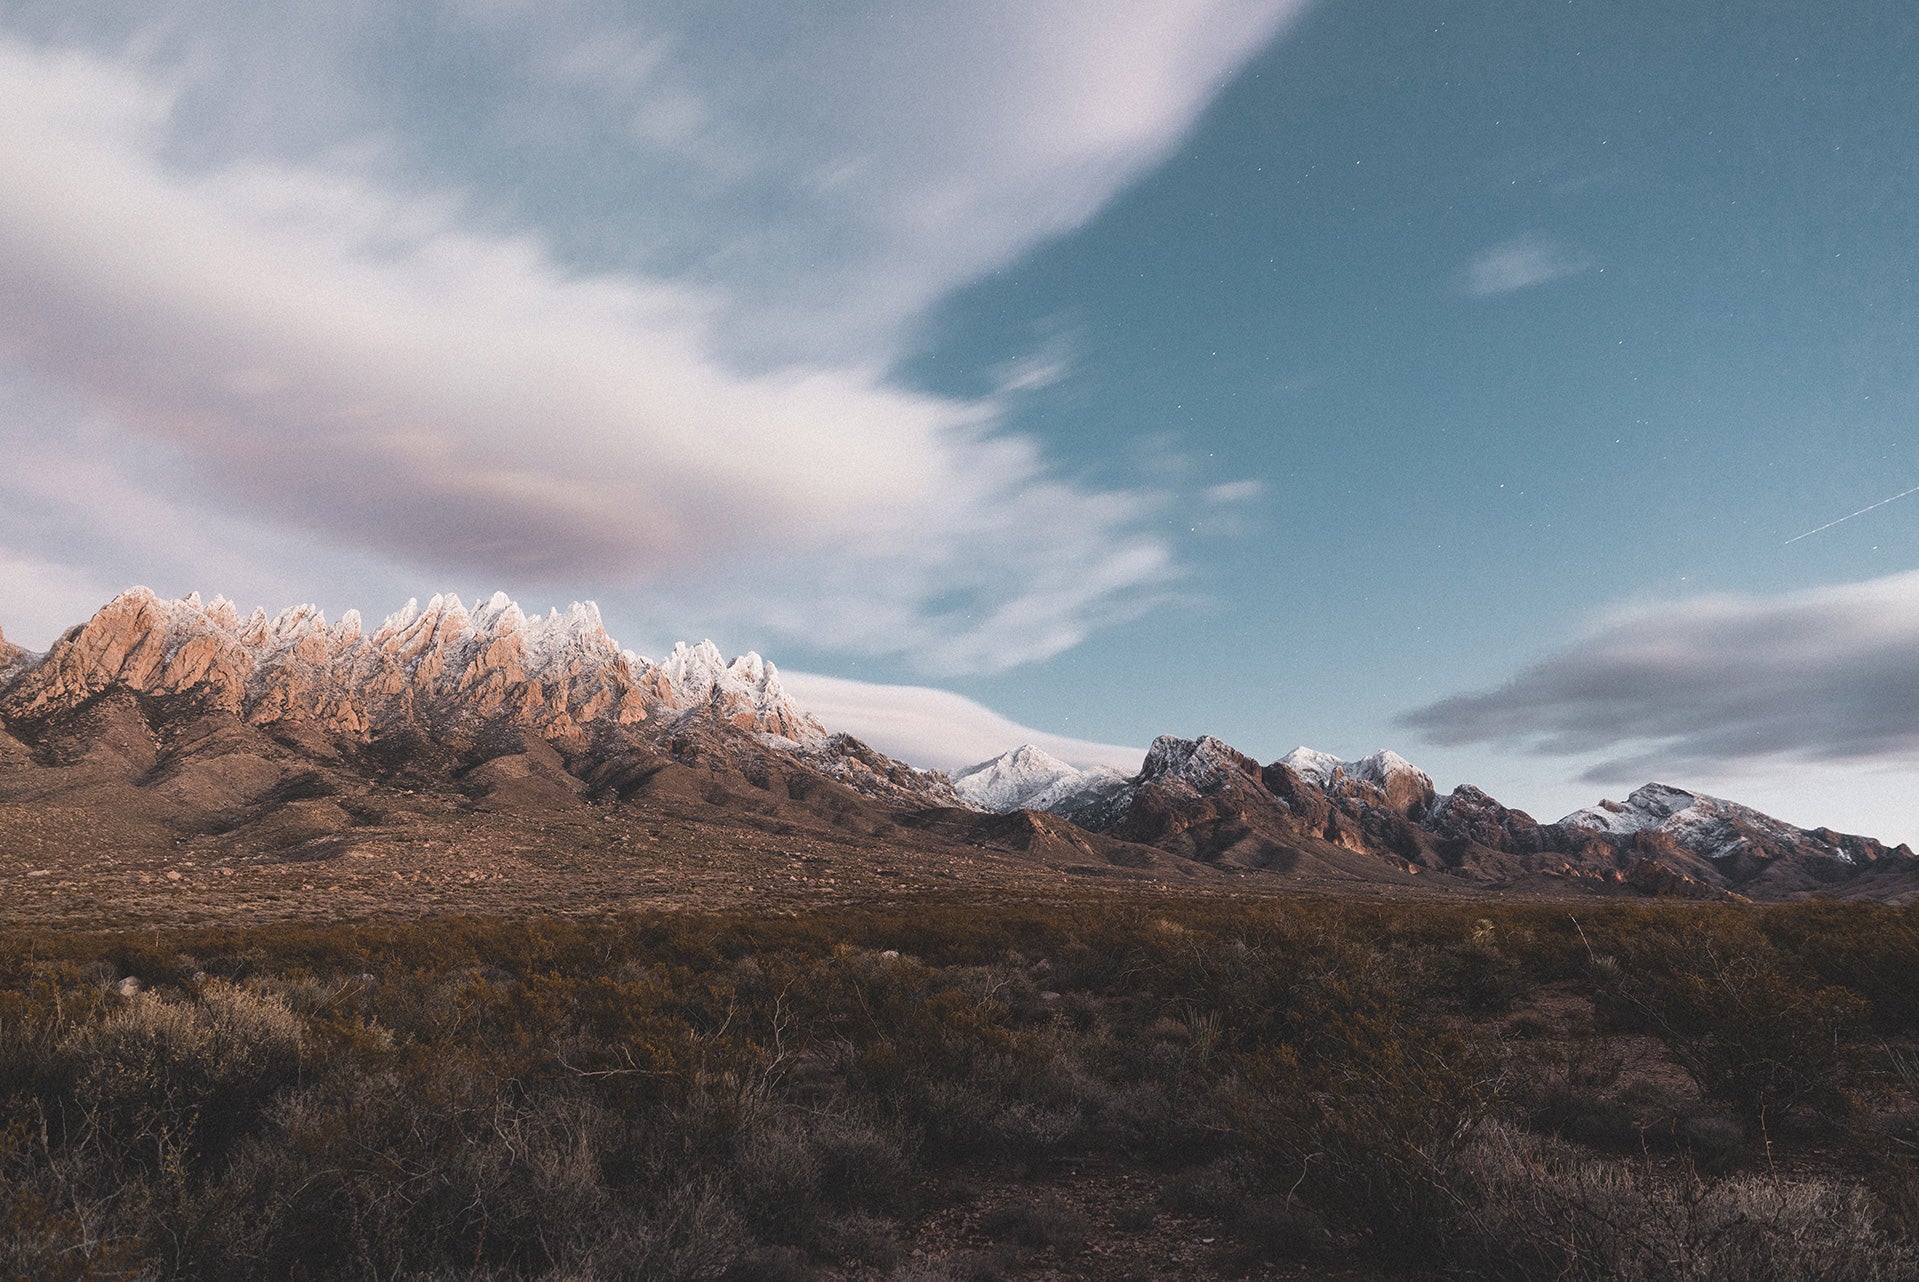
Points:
(1203, 799)
(1028, 778)
(159, 725)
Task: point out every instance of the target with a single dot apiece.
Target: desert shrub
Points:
(162, 1071)
(770, 1264)
(1481, 976)
(705, 1096)
(49, 1233)
(1528, 1208)
(1868, 949)
(1354, 1105)
(859, 1237)
(1749, 1031)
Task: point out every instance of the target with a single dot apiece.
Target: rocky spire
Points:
(443, 666)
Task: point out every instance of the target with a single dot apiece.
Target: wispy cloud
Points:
(1230, 492)
(310, 337)
(1716, 684)
(1521, 263)
(937, 728)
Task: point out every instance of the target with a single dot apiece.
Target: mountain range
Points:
(160, 733)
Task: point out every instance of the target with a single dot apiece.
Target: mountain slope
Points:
(1203, 799)
(158, 727)
(114, 697)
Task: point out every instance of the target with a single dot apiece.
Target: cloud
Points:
(902, 149)
(1716, 684)
(936, 728)
(293, 331)
(1519, 264)
(1227, 492)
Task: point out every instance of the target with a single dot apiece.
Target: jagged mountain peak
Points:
(1006, 782)
(1310, 763)
(1200, 761)
(1324, 769)
(1026, 757)
(745, 692)
(559, 672)
(1719, 830)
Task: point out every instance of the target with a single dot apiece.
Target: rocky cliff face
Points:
(452, 674)
(180, 719)
(1718, 829)
(443, 667)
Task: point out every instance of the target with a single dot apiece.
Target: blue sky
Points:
(1292, 373)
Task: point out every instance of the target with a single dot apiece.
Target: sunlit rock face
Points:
(442, 667)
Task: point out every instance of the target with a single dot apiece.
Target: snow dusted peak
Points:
(1384, 777)
(224, 613)
(1010, 780)
(1326, 770)
(1718, 829)
(1030, 757)
(498, 616)
(749, 669)
(1308, 763)
(295, 621)
(693, 671)
(1204, 762)
(745, 692)
(1647, 807)
(1383, 767)
(397, 622)
(1030, 778)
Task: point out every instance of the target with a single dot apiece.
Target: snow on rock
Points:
(1326, 770)
(745, 693)
(441, 664)
(1647, 807)
(1310, 764)
(1029, 778)
(1399, 783)
(1709, 826)
(1204, 763)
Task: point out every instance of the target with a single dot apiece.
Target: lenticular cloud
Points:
(1829, 674)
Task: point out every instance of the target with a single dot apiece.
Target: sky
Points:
(1507, 383)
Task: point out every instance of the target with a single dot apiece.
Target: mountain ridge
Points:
(1215, 802)
(183, 720)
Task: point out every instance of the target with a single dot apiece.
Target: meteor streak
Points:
(1848, 516)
